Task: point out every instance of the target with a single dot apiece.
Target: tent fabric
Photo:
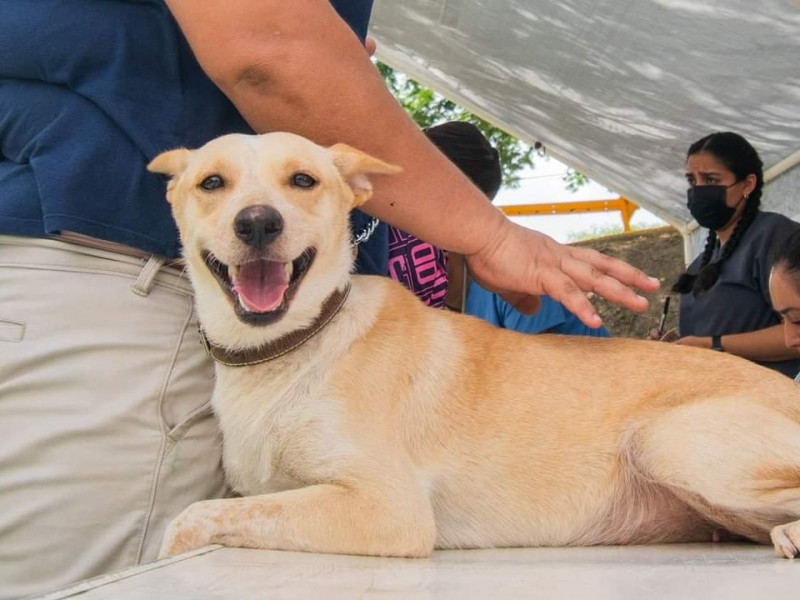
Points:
(617, 89)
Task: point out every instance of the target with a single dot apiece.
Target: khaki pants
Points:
(106, 431)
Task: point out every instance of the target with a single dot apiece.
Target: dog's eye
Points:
(303, 180)
(212, 182)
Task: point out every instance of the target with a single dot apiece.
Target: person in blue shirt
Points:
(551, 317)
(104, 389)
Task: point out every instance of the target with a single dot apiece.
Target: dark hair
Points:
(469, 150)
(739, 157)
(786, 257)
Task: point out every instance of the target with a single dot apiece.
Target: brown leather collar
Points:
(283, 345)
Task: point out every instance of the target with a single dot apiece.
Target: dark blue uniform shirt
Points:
(90, 92)
(739, 301)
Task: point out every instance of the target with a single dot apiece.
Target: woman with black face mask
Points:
(724, 294)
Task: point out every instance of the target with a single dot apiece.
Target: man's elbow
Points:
(247, 71)
(234, 79)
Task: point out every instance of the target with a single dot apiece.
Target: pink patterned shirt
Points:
(418, 265)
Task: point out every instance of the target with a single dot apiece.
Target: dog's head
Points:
(264, 222)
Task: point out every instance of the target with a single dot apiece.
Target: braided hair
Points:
(739, 157)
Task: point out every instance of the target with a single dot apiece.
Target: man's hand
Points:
(657, 335)
(521, 263)
(370, 45)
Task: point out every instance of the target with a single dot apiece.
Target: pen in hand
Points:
(663, 320)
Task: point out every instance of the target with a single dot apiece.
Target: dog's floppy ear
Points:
(355, 165)
(170, 163)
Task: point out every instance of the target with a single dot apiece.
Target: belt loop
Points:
(144, 283)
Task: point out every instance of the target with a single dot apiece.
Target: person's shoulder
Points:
(769, 221)
(772, 228)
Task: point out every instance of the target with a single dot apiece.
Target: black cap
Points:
(470, 150)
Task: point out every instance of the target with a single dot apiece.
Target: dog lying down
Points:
(356, 420)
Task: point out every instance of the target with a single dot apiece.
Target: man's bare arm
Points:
(296, 66)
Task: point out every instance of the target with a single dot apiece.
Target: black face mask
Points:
(707, 205)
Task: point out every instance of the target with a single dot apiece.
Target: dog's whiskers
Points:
(214, 261)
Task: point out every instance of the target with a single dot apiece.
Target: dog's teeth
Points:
(289, 270)
(233, 271)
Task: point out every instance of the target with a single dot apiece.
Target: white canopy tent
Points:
(616, 89)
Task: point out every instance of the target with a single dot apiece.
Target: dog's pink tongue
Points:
(261, 285)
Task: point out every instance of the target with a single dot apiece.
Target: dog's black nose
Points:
(258, 226)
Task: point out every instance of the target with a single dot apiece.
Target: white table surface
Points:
(685, 572)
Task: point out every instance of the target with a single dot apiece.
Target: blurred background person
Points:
(784, 289)
(724, 293)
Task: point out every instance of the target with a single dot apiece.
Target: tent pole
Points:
(781, 167)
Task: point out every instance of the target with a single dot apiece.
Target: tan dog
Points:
(367, 423)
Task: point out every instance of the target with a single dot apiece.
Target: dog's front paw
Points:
(786, 539)
(190, 530)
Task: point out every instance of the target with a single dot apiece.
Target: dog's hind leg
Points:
(320, 518)
(735, 462)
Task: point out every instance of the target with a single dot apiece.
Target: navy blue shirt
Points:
(739, 301)
(90, 92)
(356, 13)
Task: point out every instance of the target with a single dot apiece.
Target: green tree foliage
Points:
(574, 180)
(428, 108)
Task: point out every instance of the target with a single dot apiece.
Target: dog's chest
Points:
(256, 464)
(275, 436)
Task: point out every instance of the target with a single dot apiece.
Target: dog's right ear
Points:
(170, 163)
(354, 167)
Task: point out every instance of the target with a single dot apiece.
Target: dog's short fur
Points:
(399, 428)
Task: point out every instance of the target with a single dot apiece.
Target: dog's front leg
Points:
(321, 518)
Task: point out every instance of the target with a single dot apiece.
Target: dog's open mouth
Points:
(260, 290)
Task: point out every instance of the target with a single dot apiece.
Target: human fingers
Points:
(563, 288)
(670, 336)
(587, 273)
(570, 284)
(528, 262)
(524, 263)
(371, 45)
(616, 269)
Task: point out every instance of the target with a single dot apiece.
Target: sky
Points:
(544, 185)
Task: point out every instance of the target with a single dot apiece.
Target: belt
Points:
(79, 239)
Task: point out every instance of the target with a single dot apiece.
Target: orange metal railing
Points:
(625, 207)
